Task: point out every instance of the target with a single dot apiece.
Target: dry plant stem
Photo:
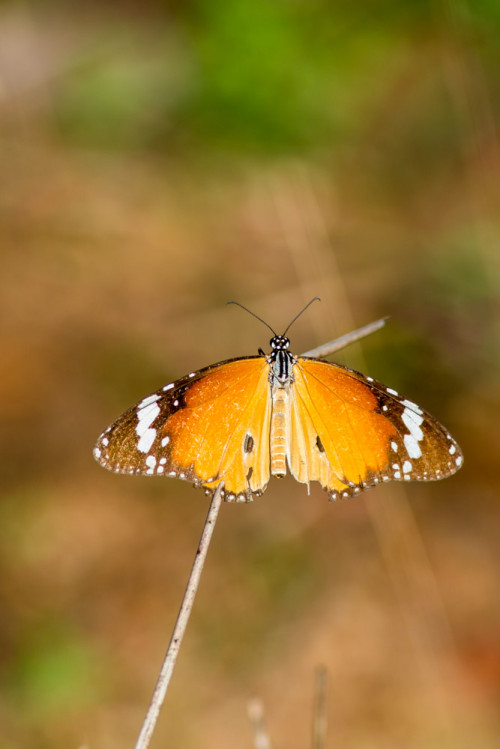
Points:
(180, 626)
(187, 602)
(319, 713)
(328, 348)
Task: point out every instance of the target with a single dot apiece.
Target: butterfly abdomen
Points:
(278, 432)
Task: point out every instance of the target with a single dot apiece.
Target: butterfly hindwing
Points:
(210, 427)
(350, 432)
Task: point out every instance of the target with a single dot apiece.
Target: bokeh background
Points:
(158, 159)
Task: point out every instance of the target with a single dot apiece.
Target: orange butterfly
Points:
(237, 423)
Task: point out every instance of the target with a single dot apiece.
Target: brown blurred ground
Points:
(117, 257)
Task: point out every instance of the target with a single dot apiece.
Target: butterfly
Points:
(236, 423)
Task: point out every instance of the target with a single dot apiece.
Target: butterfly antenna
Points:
(254, 315)
(316, 299)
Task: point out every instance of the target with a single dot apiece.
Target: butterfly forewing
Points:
(357, 432)
(210, 427)
(335, 418)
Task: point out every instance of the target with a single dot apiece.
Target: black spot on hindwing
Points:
(248, 444)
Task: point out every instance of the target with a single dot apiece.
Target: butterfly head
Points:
(279, 343)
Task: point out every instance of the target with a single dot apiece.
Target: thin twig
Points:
(319, 710)
(328, 348)
(180, 626)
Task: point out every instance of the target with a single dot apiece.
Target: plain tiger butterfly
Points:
(237, 423)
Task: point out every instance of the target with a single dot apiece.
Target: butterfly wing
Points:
(211, 427)
(350, 432)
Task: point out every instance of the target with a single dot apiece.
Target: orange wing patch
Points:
(337, 436)
(221, 435)
(349, 432)
(211, 428)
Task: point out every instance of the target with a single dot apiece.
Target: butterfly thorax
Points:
(281, 361)
(280, 378)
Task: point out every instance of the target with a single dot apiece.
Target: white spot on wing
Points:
(146, 401)
(394, 446)
(151, 461)
(145, 417)
(412, 446)
(407, 466)
(391, 391)
(168, 387)
(146, 440)
(412, 422)
(412, 406)
(165, 441)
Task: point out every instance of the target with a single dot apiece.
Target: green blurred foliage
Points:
(275, 78)
(55, 670)
(263, 75)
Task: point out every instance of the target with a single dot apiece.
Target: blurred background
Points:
(161, 158)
